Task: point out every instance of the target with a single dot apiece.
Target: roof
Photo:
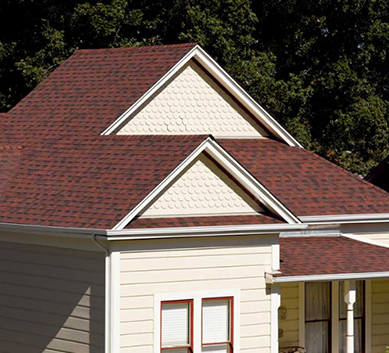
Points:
(306, 256)
(91, 89)
(202, 221)
(379, 176)
(88, 183)
(305, 183)
(57, 170)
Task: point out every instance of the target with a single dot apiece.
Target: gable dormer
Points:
(192, 102)
(197, 96)
(203, 189)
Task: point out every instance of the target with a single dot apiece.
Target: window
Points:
(217, 325)
(317, 317)
(359, 318)
(326, 318)
(177, 326)
(197, 322)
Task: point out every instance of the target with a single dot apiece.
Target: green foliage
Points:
(320, 67)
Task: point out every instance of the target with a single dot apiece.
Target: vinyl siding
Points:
(380, 316)
(289, 328)
(195, 265)
(51, 299)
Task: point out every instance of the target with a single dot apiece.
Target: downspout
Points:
(107, 292)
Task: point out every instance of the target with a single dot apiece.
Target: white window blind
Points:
(175, 325)
(215, 349)
(216, 323)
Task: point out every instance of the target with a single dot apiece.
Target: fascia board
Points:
(327, 277)
(232, 166)
(148, 233)
(180, 232)
(346, 218)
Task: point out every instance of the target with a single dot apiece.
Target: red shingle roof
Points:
(305, 183)
(90, 183)
(303, 256)
(91, 89)
(68, 175)
(202, 221)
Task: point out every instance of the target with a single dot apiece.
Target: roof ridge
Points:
(139, 47)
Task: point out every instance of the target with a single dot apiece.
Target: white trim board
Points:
(270, 279)
(185, 232)
(114, 298)
(347, 218)
(223, 78)
(221, 156)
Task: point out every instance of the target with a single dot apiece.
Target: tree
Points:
(320, 67)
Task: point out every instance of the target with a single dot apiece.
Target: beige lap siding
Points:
(195, 265)
(289, 326)
(380, 316)
(51, 299)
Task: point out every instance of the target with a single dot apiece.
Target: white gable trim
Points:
(226, 81)
(248, 182)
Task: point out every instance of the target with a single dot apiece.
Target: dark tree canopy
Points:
(320, 67)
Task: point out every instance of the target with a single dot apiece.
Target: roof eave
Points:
(346, 218)
(149, 233)
(179, 232)
(272, 278)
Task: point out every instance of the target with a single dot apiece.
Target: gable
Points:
(203, 189)
(193, 103)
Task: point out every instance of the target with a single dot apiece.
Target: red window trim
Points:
(190, 346)
(230, 343)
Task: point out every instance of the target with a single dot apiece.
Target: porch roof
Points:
(340, 256)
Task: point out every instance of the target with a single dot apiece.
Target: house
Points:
(379, 176)
(149, 204)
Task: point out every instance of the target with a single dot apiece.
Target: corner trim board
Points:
(114, 305)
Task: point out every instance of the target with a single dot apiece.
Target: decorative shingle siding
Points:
(192, 103)
(203, 189)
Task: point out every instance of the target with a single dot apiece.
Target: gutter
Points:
(179, 232)
(150, 233)
(347, 218)
(270, 278)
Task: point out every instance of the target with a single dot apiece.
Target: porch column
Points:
(349, 298)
